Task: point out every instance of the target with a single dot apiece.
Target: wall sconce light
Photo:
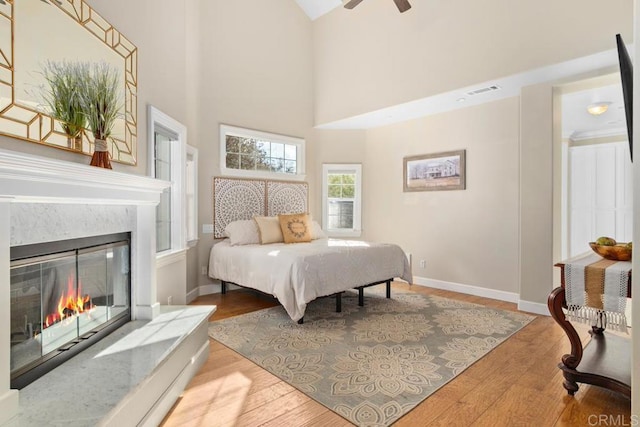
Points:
(598, 108)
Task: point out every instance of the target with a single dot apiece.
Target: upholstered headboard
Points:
(236, 198)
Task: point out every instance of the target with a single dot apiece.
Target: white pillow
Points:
(316, 231)
(243, 232)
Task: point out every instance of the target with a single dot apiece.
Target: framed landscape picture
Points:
(435, 172)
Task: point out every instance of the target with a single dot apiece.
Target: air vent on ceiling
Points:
(482, 90)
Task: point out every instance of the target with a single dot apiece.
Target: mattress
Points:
(301, 272)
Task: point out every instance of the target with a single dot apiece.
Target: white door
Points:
(600, 194)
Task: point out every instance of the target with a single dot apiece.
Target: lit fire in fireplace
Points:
(70, 304)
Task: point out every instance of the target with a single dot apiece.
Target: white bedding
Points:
(301, 272)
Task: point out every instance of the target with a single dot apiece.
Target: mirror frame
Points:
(38, 127)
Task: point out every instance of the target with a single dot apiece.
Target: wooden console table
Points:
(606, 359)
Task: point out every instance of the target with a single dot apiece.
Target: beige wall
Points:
(536, 193)
(374, 57)
(331, 146)
(256, 71)
(468, 237)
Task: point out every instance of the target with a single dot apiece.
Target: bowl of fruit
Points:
(608, 248)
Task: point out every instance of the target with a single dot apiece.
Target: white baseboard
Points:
(193, 295)
(208, 289)
(214, 288)
(467, 289)
(533, 307)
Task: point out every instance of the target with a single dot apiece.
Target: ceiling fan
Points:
(403, 5)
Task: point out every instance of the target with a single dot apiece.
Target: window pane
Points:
(335, 179)
(348, 191)
(163, 171)
(349, 179)
(335, 191)
(340, 215)
(290, 166)
(290, 152)
(163, 222)
(247, 146)
(263, 164)
(247, 162)
(277, 150)
(233, 144)
(277, 165)
(162, 156)
(233, 161)
(263, 148)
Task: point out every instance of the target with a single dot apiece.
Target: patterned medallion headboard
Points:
(236, 198)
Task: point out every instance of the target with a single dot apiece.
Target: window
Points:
(162, 165)
(250, 153)
(342, 199)
(168, 144)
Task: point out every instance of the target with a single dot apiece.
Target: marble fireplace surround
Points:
(43, 200)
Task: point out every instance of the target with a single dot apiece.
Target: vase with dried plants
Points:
(101, 106)
(61, 92)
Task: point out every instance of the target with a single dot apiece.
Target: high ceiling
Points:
(577, 123)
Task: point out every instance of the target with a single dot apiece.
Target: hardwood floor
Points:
(517, 384)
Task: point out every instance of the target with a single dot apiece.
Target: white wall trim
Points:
(192, 295)
(467, 289)
(533, 307)
(170, 257)
(35, 179)
(214, 288)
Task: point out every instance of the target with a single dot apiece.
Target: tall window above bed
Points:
(342, 199)
(256, 154)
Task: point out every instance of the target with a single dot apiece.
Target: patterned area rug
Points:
(370, 364)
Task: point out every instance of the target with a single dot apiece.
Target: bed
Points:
(295, 273)
(298, 273)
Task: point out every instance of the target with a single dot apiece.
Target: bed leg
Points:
(361, 297)
(223, 286)
(339, 302)
(389, 288)
(301, 321)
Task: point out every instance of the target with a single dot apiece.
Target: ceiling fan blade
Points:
(403, 5)
(352, 3)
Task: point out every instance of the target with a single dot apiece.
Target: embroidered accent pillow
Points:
(269, 229)
(296, 228)
(242, 232)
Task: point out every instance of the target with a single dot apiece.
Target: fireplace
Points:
(65, 296)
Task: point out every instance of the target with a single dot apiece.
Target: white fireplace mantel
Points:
(35, 179)
(28, 179)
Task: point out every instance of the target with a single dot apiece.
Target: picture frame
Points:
(435, 172)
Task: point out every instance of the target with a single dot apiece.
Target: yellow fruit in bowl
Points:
(629, 245)
(605, 241)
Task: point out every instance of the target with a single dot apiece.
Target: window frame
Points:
(343, 168)
(191, 156)
(158, 119)
(271, 137)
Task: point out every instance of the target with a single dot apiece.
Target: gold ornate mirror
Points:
(35, 31)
